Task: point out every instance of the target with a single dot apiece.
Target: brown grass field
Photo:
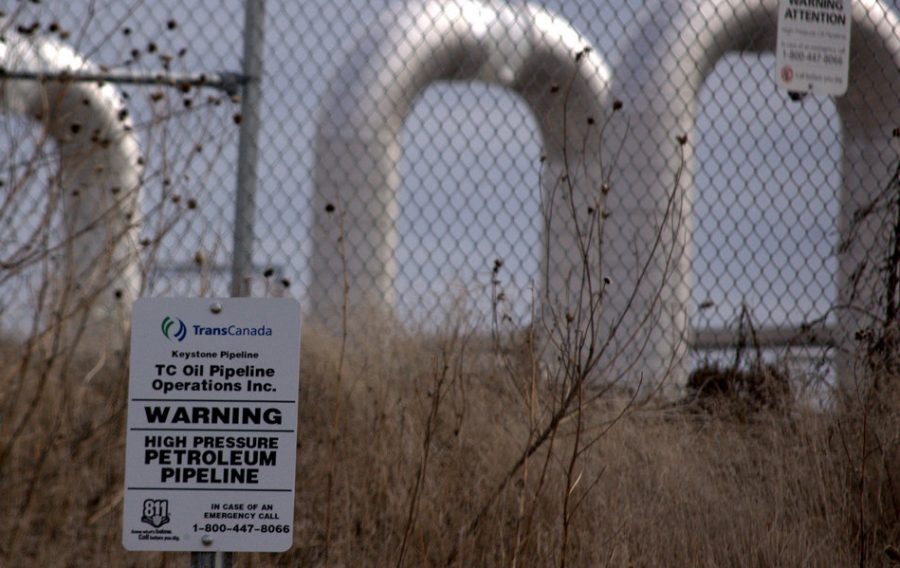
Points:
(412, 452)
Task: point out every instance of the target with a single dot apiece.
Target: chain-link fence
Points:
(410, 147)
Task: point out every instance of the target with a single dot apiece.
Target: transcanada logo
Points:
(174, 329)
(232, 330)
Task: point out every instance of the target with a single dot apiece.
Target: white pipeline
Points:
(684, 40)
(100, 168)
(524, 48)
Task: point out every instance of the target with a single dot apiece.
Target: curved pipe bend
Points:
(523, 48)
(683, 40)
(100, 169)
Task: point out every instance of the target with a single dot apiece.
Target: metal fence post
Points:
(211, 559)
(245, 200)
(248, 148)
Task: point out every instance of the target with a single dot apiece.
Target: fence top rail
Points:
(227, 81)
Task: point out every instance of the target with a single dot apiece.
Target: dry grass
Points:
(447, 450)
(411, 446)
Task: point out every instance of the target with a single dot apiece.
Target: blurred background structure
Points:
(765, 172)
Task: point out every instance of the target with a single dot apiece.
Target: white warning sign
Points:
(212, 424)
(813, 46)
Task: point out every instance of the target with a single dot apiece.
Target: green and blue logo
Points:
(174, 329)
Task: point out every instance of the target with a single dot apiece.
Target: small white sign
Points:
(212, 424)
(813, 46)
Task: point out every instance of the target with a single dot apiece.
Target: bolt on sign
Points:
(812, 52)
(212, 424)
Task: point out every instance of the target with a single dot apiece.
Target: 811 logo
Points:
(155, 512)
(174, 329)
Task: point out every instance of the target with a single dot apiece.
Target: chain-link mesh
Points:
(768, 175)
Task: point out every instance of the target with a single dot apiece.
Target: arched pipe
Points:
(524, 48)
(683, 40)
(100, 169)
